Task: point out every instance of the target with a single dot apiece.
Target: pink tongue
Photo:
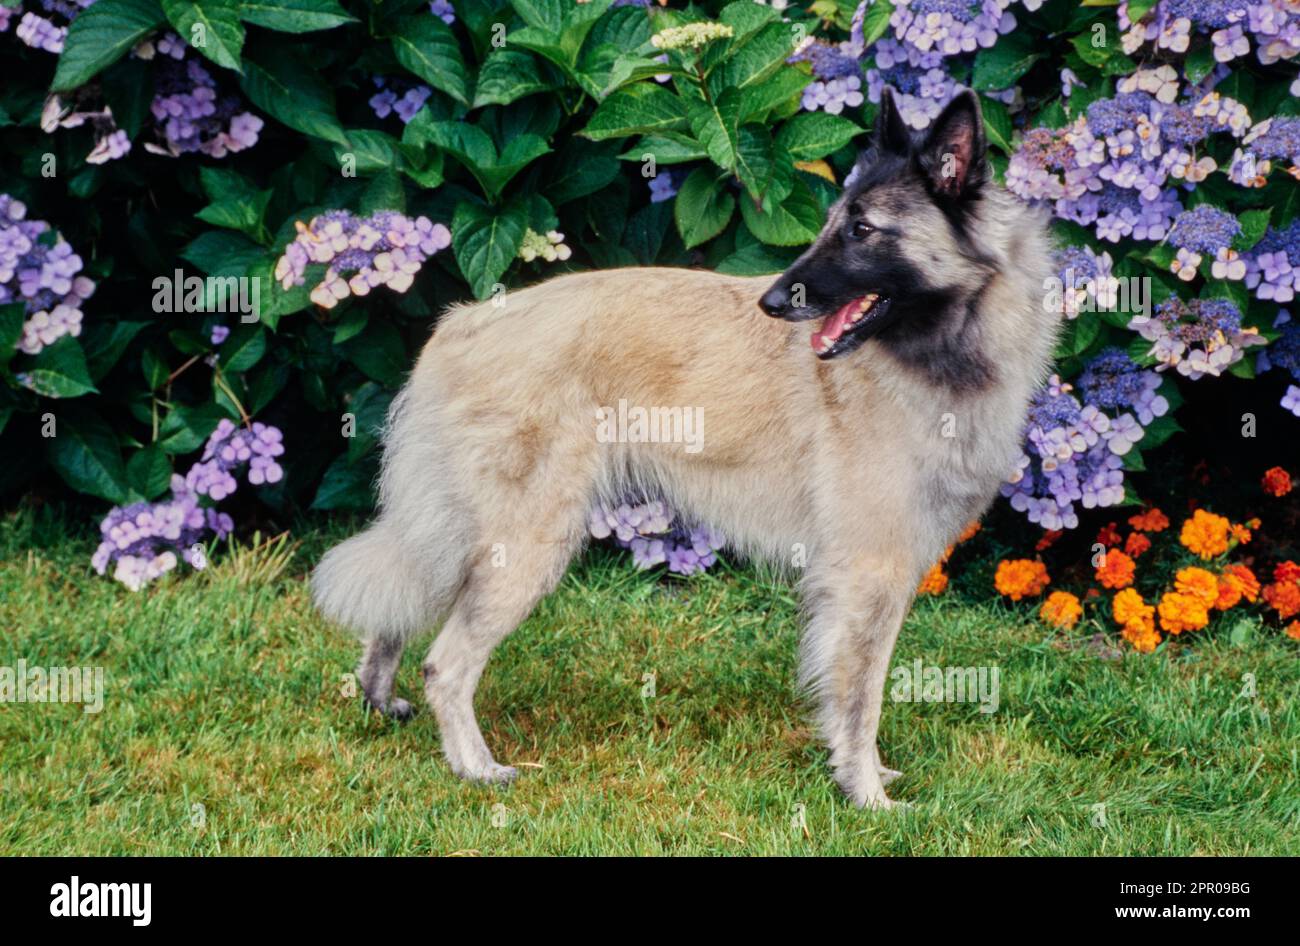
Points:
(833, 327)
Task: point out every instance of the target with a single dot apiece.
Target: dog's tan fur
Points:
(859, 466)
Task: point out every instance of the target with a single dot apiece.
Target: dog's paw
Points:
(396, 708)
(491, 774)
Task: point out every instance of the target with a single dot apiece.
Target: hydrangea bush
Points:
(452, 149)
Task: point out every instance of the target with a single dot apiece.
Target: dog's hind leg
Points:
(378, 667)
(496, 598)
(857, 614)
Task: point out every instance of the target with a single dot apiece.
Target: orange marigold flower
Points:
(1108, 535)
(1198, 583)
(1277, 481)
(1249, 583)
(1153, 520)
(1205, 534)
(1287, 571)
(1020, 578)
(1128, 609)
(1136, 544)
(1240, 533)
(1230, 592)
(1116, 569)
(1144, 639)
(1293, 630)
(1284, 598)
(1061, 609)
(969, 532)
(935, 581)
(1180, 612)
(1049, 539)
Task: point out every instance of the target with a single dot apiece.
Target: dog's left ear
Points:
(952, 157)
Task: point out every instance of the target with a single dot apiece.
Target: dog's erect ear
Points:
(891, 133)
(952, 157)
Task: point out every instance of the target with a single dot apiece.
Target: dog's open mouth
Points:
(850, 325)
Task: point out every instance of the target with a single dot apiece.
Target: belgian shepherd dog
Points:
(853, 426)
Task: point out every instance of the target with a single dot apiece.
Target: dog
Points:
(860, 446)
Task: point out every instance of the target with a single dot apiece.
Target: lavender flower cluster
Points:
(385, 249)
(1074, 450)
(46, 33)
(1284, 355)
(145, 540)
(1272, 268)
(837, 76)
(1196, 338)
(1116, 167)
(397, 97)
(656, 536)
(1271, 28)
(39, 268)
(190, 113)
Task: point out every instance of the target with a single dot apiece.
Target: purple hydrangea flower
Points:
(656, 536)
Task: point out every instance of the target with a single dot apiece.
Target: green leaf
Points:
(85, 453)
(369, 406)
(507, 75)
(757, 59)
(295, 16)
(427, 47)
(644, 108)
(289, 90)
(1254, 224)
(222, 253)
(243, 349)
(187, 428)
(372, 152)
(235, 203)
(999, 66)
(12, 317)
(104, 345)
(379, 352)
(811, 135)
(875, 22)
(1199, 63)
(99, 36)
(212, 27)
(347, 486)
(59, 370)
(703, 207)
(149, 472)
(485, 242)
(795, 222)
(716, 125)
(582, 167)
(997, 123)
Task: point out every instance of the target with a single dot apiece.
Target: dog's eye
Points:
(860, 229)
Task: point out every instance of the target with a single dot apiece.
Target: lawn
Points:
(226, 728)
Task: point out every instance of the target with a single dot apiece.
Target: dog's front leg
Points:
(846, 655)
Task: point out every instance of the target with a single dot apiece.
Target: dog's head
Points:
(894, 253)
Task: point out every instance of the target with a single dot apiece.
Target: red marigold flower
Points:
(1249, 583)
(1136, 544)
(1287, 571)
(1109, 535)
(1116, 570)
(1293, 630)
(935, 581)
(1048, 540)
(1276, 481)
(1284, 598)
(1153, 520)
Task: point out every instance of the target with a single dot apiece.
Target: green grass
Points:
(224, 690)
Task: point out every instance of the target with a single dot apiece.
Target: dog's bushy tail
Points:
(401, 575)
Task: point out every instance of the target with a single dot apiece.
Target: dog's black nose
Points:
(776, 301)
